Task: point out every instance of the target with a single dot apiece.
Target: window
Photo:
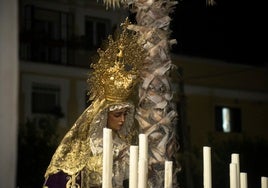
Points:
(227, 119)
(45, 35)
(44, 96)
(46, 99)
(96, 30)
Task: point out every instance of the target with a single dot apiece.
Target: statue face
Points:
(116, 119)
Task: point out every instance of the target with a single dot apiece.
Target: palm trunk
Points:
(156, 112)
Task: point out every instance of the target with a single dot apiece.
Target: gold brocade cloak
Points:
(81, 148)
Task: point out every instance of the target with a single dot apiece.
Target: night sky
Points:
(231, 30)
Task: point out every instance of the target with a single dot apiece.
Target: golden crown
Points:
(118, 68)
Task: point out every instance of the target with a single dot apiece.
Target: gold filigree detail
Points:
(118, 68)
(71, 183)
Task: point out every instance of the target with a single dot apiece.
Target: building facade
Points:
(223, 99)
(58, 40)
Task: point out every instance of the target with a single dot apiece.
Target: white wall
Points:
(8, 92)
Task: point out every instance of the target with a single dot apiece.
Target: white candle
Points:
(142, 174)
(207, 179)
(233, 175)
(143, 146)
(168, 174)
(264, 182)
(133, 167)
(143, 161)
(235, 160)
(243, 180)
(107, 158)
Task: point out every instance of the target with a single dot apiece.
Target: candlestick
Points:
(207, 180)
(107, 158)
(235, 160)
(168, 174)
(143, 161)
(243, 180)
(133, 167)
(233, 175)
(264, 182)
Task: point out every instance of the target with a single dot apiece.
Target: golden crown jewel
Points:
(118, 68)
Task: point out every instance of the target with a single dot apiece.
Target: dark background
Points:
(231, 30)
